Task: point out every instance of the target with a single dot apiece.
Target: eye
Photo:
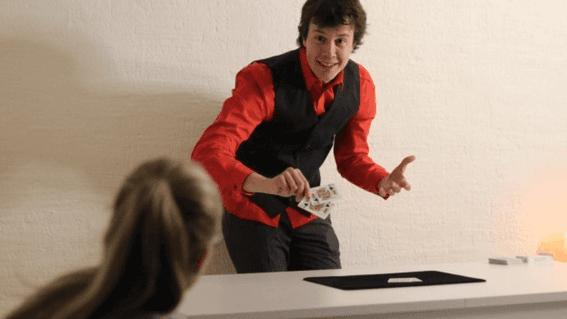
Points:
(340, 41)
(320, 38)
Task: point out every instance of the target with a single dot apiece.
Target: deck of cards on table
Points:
(322, 200)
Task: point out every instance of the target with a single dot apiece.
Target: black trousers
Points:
(255, 247)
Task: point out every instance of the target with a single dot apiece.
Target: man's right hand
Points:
(290, 182)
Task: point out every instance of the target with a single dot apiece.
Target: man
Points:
(265, 148)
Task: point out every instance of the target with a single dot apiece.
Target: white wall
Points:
(474, 88)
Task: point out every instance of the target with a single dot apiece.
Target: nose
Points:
(329, 49)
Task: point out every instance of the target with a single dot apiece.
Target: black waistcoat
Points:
(296, 136)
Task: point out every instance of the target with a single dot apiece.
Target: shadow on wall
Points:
(50, 115)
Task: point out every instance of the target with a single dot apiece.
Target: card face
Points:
(322, 200)
(304, 203)
(326, 193)
(321, 210)
(314, 199)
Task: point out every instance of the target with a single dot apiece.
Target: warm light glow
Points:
(554, 244)
(543, 210)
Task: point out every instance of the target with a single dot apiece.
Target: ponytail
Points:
(165, 216)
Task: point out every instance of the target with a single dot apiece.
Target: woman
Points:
(164, 218)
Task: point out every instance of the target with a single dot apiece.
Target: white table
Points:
(513, 291)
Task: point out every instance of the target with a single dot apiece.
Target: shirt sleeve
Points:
(351, 146)
(251, 103)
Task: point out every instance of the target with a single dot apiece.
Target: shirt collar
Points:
(311, 79)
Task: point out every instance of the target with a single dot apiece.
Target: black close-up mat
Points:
(355, 282)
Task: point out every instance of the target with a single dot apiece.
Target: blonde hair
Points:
(164, 218)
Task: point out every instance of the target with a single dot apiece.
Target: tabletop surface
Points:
(286, 294)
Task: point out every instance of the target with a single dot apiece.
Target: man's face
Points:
(328, 50)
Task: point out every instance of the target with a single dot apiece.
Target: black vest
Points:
(296, 136)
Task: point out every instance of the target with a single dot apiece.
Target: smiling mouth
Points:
(326, 65)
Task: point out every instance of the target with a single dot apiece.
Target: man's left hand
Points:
(396, 181)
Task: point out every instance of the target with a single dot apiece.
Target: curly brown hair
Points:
(333, 13)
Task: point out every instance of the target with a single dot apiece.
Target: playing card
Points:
(321, 210)
(325, 193)
(304, 203)
(321, 202)
(312, 202)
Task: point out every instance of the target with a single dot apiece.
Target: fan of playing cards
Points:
(322, 200)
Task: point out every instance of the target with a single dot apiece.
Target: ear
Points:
(304, 37)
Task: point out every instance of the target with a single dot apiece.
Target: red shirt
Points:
(253, 102)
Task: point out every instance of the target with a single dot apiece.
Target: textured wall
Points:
(474, 88)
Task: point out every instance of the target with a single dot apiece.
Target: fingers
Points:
(395, 188)
(392, 189)
(389, 186)
(298, 184)
(403, 184)
(405, 162)
(396, 181)
(382, 192)
(292, 182)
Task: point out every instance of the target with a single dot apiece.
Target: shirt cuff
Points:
(239, 183)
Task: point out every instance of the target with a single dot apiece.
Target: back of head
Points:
(165, 216)
(333, 13)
